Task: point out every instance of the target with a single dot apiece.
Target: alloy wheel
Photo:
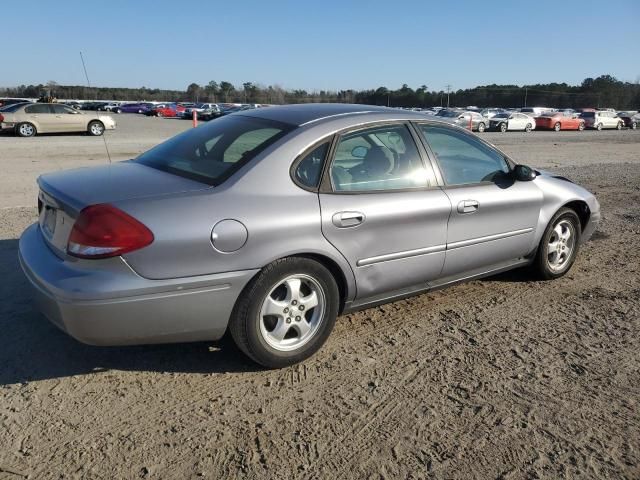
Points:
(561, 245)
(292, 312)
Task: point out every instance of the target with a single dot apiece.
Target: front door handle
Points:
(468, 206)
(347, 219)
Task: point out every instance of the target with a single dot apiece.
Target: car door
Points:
(68, 120)
(493, 217)
(382, 209)
(41, 115)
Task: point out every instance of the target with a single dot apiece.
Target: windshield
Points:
(501, 115)
(211, 153)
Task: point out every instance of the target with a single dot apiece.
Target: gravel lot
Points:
(502, 378)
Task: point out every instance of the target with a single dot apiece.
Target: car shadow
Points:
(31, 348)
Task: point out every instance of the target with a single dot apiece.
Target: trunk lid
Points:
(63, 194)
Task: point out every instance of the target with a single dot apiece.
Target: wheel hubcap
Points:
(26, 129)
(292, 312)
(96, 129)
(561, 245)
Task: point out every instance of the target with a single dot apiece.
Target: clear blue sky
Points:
(328, 44)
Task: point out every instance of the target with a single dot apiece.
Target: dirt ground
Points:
(504, 378)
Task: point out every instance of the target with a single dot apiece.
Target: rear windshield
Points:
(213, 152)
(588, 114)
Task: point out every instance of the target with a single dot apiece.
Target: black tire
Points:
(581, 126)
(26, 129)
(95, 128)
(246, 320)
(527, 128)
(619, 126)
(599, 127)
(481, 127)
(117, 110)
(634, 125)
(557, 127)
(541, 265)
(503, 127)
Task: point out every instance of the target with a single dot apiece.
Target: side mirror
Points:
(523, 173)
(359, 152)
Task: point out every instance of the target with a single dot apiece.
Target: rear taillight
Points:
(103, 231)
(1, 118)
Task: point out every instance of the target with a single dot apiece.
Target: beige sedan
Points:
(29, 119)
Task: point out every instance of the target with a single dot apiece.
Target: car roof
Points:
(306, 113)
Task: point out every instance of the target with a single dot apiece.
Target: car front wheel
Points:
(95, 128)
(481, 127)
(559, 245)
(557, 127)
(634, 125)
(503, 127)
(286, 313)
(528, 128)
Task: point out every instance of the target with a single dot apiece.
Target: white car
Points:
(602, 119)
(512, 121)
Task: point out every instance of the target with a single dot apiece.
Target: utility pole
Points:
(448, 91)
(526, 91)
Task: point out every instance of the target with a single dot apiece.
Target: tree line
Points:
(603, 91)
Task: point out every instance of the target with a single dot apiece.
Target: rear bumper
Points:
(107, 303)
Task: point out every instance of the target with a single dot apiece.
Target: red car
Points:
(171, 110)
(559, 121)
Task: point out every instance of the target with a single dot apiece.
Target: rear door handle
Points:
(468, 206)
(347, 219)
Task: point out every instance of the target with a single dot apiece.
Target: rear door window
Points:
(38, 108)
(379, 158)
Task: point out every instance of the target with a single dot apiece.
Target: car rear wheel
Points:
(559, 245)
(140, 110)
(286, 313)
(619, 126)
(158, 114)
(581, 126)
(599, 126)
(117, 110)
(26, 130)
(557, 127)
(95, 128)
(527, 128)
(634, 125)
(481, 127)
(503, 127)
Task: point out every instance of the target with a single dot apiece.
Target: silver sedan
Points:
(271, 222)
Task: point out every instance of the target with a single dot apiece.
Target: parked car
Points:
(512, 121)
(95, 106)
(559, 121)
(602, 119)
(188, 240)
(187, 113)
(10, 101)
(133, 107)
(30, 119)
(491, 112)
(169, 110)
(108, 107)
(211, 113)
(630, 119)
